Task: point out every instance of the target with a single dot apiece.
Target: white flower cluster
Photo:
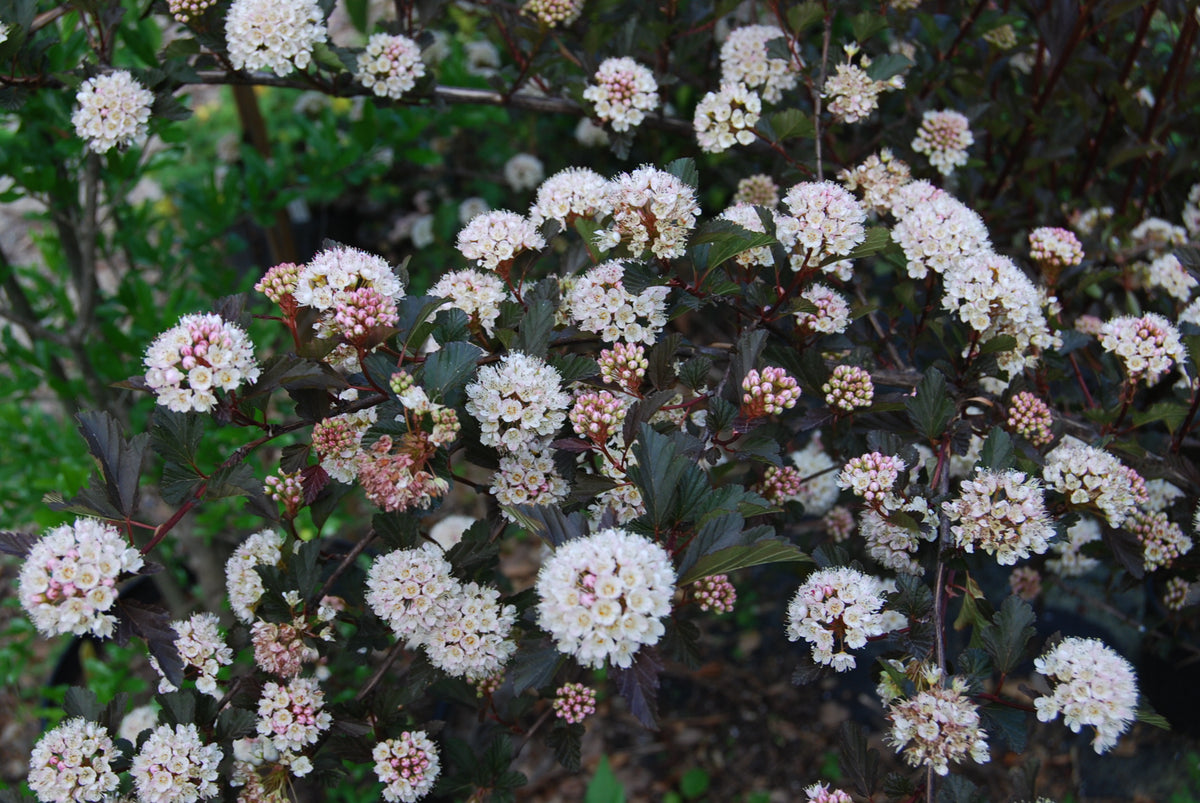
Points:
(1157, 235)
(471, 640)
(745, 216)
(114, 110)
(938, 726)
(622, 93)
(853, 93)
(279, 34)
(68, 581)
(518, 403)
(603, 596)
(338, 442)
(944, 137)
(1191, 211)
(1147, 346)
(1069, 560)
(1163, 541)
(494, 239)
(390, 65)
(872, 476)
(524, 171)
(1054, 248)
(242, 583)
(892, 545)
(820, 490)
(333, 274)
(757, 190)
(837, 608)
(291, 718)
(577, 192)
(189, 362)
(176, 766)
(879, 177)
(935, 229)
(405, 587)
(74, 762)
(744, 60)
(832, 315)
(1161, 495)
(600, 303)
(825, 221)
(652, 209)
(726, 118)
(476, 293)
(407, 766)
(528, 477)
(991, 294)
(1090, 476)
(1092, 685)
(202, 647)
(1002, 513)
(1169, 273)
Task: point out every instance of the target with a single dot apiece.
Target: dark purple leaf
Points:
(120, 459)
(17, 544)
(154, 625)
(639, 686)
(313, 479)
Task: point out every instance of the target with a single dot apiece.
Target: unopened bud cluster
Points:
(624, 364)
(716, 593)
(1030, 417)
(780, 483)
(597, 416)
(768, 393)
(279, 281)
(360, 312)
(1053, 249)
(574, 702)
(287, 489)
(872, 477)
(849, 388)
(1163, 541)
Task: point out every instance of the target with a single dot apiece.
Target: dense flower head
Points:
(286, 488)
(1163, 541)
(832, 314)
(597, 416)
(189, 362)
(825, 220)
(1091, 685)
(476, 293)
(362, 312)
(390, 65)
(175, 766)
(280, 649)
(1068, 559)
(494, 239)
(470, 639)
(279, 282)
(768, 392)
(292, 716)
(113, 111)
(1002, 36)
(1025, 582)
(74, 762)
(334, 273)
(574, 702)
(1030, 417)
(715, 593)
(1175, 594)
(1161, 495)
(818, 489)
(397, 481)
(242, 582)
(757, 190)
(935, 230)
(407, 589)
(622, 92)
(849, 388)
(744, 60)
(839, 523)
(747, 217)
(937, 727)
(518, 402)
(185, 10)
(624, 365)
(553, 13)
(1168, 273)
(577, 192)
(944, 137)
(873, 476)
(726, 118)
(780, 484)
(1147, 346)
(407, 766)
(879, 177)
(471, 208)
(338, 442)
(892, 545)
(68, 582)
(1090, 476)
(837, 610)
(1053, 249)
(1001, 513)
(652, 210)
(524, 171)
(603, 596)
(1157, 235)
(853, 94)
(528, 477)
(600, 303)
(203, 648)
(821, 793)
(279, 34)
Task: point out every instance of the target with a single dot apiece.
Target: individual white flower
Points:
(938, 726)
(390, 65)
(944, 137)
(832, 314)
(476, 293)
(279, 34)
(603, 596)
(577, 192)
(74, 762)
(726, 118)
(471, 638)
(652, 210)
(837, 610)
(407, 766)
(242, 582)
(203, 648)
(879, 177)
(407, 589)
(523, 171)
(175, 766)
(494, 239)
(292, 716)
(189, 362)
(518, 402)
(600, 303)
(1147, 346)
(744, 60)
(68, 582)
(824, 221)
(528, 477)
(622, 92)
(113, 111)
(1001, 513)
(1090, 476)
(935, 230)
(1091, 685)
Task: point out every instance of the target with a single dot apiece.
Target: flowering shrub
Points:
(857, 333)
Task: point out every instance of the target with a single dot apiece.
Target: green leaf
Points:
(876, 239)
(887, 65)
(685, 170)
(1151, 717)
(998, 344)
(792, 123)
(804, 16)
(859, 763)
(694, 783)
(727, 240)
(866, 25)
(1010, 724)
(533, 335)
(448, 369)
(657, 474)
(932, 408)
(120, 460)
(1171, 414)
(604, 786)
(957, 789)
(997, 451)
(567, 743)
(731, 559)
(81, 702)
(572, 367)
(1006, 637)
(535, 668)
